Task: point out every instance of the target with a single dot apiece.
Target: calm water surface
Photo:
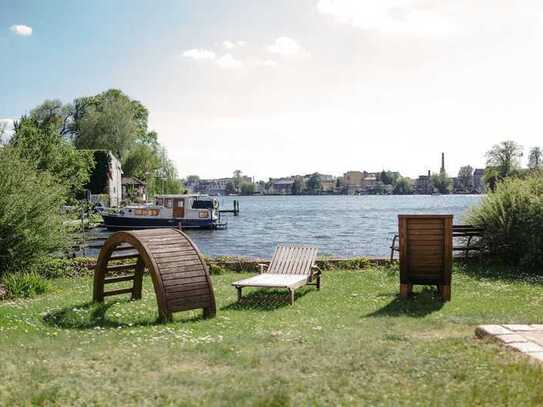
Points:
(342, 226)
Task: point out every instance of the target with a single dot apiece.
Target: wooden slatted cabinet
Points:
(425, 252)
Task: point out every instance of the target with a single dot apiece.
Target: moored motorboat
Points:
(182, 211)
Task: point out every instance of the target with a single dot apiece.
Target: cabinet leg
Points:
(406, 290)
(445, 292)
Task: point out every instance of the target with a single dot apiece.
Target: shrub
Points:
(24, 285)
(30, 220)
(512, 218)
(54, 267)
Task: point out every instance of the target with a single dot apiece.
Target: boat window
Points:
(202, 204)
(168, 203)
(160, 201)
(181, 203)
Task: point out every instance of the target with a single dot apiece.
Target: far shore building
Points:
(423, 184)
(281, 186)
(352, 182)
(134, 189)
(328, 183)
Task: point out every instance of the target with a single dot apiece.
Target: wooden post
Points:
(239, 293)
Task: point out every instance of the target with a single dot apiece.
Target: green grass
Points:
(354, 342)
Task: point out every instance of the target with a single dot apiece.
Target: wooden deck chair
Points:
(291, 267)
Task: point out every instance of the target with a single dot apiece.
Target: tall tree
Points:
(40, 142)
(535, 158)
(505, 157)
(465, 178)
(237, 179)
(442, 182)
(110, 125)
(403, 186)
(314, 183)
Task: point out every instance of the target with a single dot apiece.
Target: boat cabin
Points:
(186, 211)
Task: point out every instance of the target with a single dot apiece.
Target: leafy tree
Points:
(39, 141)
(167, 173)
(230, 188)
(247, 188)
(237, 179)
(30, 220)
(297, 187)
(110, 125)
(505, 158)
(535, 158)
(442, 182)
(314, 183)
(193, 179)
(403, 186)
(465, 177)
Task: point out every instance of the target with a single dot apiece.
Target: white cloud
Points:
(21, 29)
(232, 44)
(227, 61)
(394, 16)
(267, 63)
(286, 46)
(198, 54)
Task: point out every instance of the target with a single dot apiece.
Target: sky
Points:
(283, 87)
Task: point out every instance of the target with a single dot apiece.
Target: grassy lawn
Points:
(354, 342)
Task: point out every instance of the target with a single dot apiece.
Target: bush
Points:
(24, 285)
(512, 218)
(53, 267)
(30, 220)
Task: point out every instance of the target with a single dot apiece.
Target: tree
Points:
(403, 186)
(38, 141)
(505, 158)
(535, 158)
(192, 179)
(237, 179)
(230, 188)
(314, 183)
(30, 222)
(110, 125)
(247, 188)
(465, 178)
(297, 187)
(442, 182)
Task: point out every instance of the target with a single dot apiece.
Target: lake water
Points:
(342, 226)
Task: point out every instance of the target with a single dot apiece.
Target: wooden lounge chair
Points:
(291, 267)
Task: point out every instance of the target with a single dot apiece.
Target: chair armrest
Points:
(315, 270)
(263, 267)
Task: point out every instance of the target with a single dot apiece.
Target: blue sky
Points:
(280, 87)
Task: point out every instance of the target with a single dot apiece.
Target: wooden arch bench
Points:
(179, 273)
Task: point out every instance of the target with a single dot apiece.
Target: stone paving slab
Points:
(527, 339)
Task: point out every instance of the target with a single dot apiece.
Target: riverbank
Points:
(352, 342)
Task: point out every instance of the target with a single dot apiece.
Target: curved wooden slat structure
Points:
(178, 270)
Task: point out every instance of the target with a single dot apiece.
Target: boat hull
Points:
(112, 222)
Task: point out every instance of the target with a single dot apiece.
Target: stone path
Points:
(527, 339)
